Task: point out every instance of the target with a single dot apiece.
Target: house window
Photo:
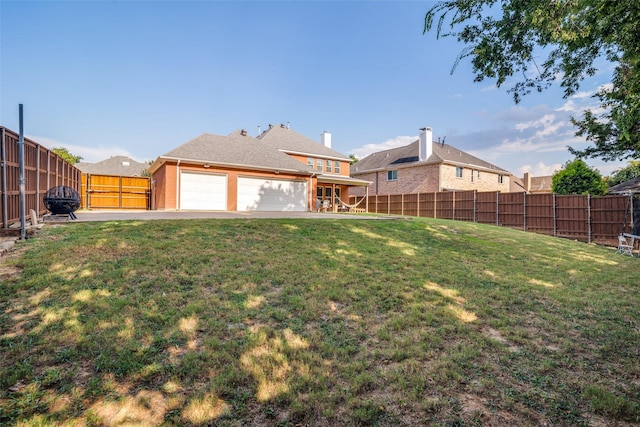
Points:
(459, 170)
(319, 192)
(392, 175)
(471, 175)
(319, 165)
(310, 161)
(328, 166)
(337, 192)
(336, 167)
(500, 179)
(327, 193)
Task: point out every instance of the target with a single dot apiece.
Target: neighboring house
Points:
(280, 170)
(628, 187)
(424, 166)
(531, 184)
(116, 165)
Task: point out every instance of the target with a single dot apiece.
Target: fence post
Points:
(453, 205)
(589, 217)
(498, 208)
(555, 217)
(475, 205)
(3, 160)
(435, 204)
(418, 208)
(388, 204)
(524, 208)
(402, 204)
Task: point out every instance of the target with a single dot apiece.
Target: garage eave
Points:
(161, 160)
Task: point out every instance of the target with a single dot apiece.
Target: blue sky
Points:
(105, 78)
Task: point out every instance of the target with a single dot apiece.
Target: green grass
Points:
(316, 322)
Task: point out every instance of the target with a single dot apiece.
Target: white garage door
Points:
(256, 194)
(201, 191)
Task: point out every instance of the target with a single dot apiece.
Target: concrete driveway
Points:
(123, 215)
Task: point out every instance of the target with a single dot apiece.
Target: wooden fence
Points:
(115, 192)
(585, 218)
(43, 169)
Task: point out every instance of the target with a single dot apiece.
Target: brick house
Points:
(424, 166)
(279, 170)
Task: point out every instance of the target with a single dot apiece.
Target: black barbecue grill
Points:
(62, 200)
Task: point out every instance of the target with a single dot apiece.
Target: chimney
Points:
(325, 139)
(426, 144)
(243, 132)
(527, 182)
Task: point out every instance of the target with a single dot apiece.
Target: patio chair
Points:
(624, 247)
(326, 205)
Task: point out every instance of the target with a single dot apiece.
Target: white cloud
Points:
(396, 142)
(539, 169)
(88, 154)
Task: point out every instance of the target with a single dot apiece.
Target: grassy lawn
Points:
(316, 322)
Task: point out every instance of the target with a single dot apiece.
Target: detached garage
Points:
(260, 194)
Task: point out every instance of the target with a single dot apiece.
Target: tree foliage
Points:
(632, 170)
(66, 155)
(578, 178)
(543, 41)
(353, 159)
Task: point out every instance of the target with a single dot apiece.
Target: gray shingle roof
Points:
(289, 141)
(236, 150)
(408, 156)
(116, 165)
(631, 186)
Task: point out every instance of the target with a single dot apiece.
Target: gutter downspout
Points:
(178, 185)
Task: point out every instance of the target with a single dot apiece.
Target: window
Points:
(319, 192)
(500, 179)
(337, 192)
(310, 161)
(327, 166)
(392, 175)
(319, 165)
(471, 175)
(327, 192)
(336, 167)
(459, 170)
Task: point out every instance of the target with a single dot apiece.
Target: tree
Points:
(578, 178)
(505, 38)
(66, 155)
(353, 158)
(632, 170)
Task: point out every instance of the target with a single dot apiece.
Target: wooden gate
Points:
(115, 192)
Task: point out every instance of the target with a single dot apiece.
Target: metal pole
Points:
(23, 226)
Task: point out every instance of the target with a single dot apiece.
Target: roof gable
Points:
(116, 165)
(284, 139)
(407, 155)
(237, 149)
